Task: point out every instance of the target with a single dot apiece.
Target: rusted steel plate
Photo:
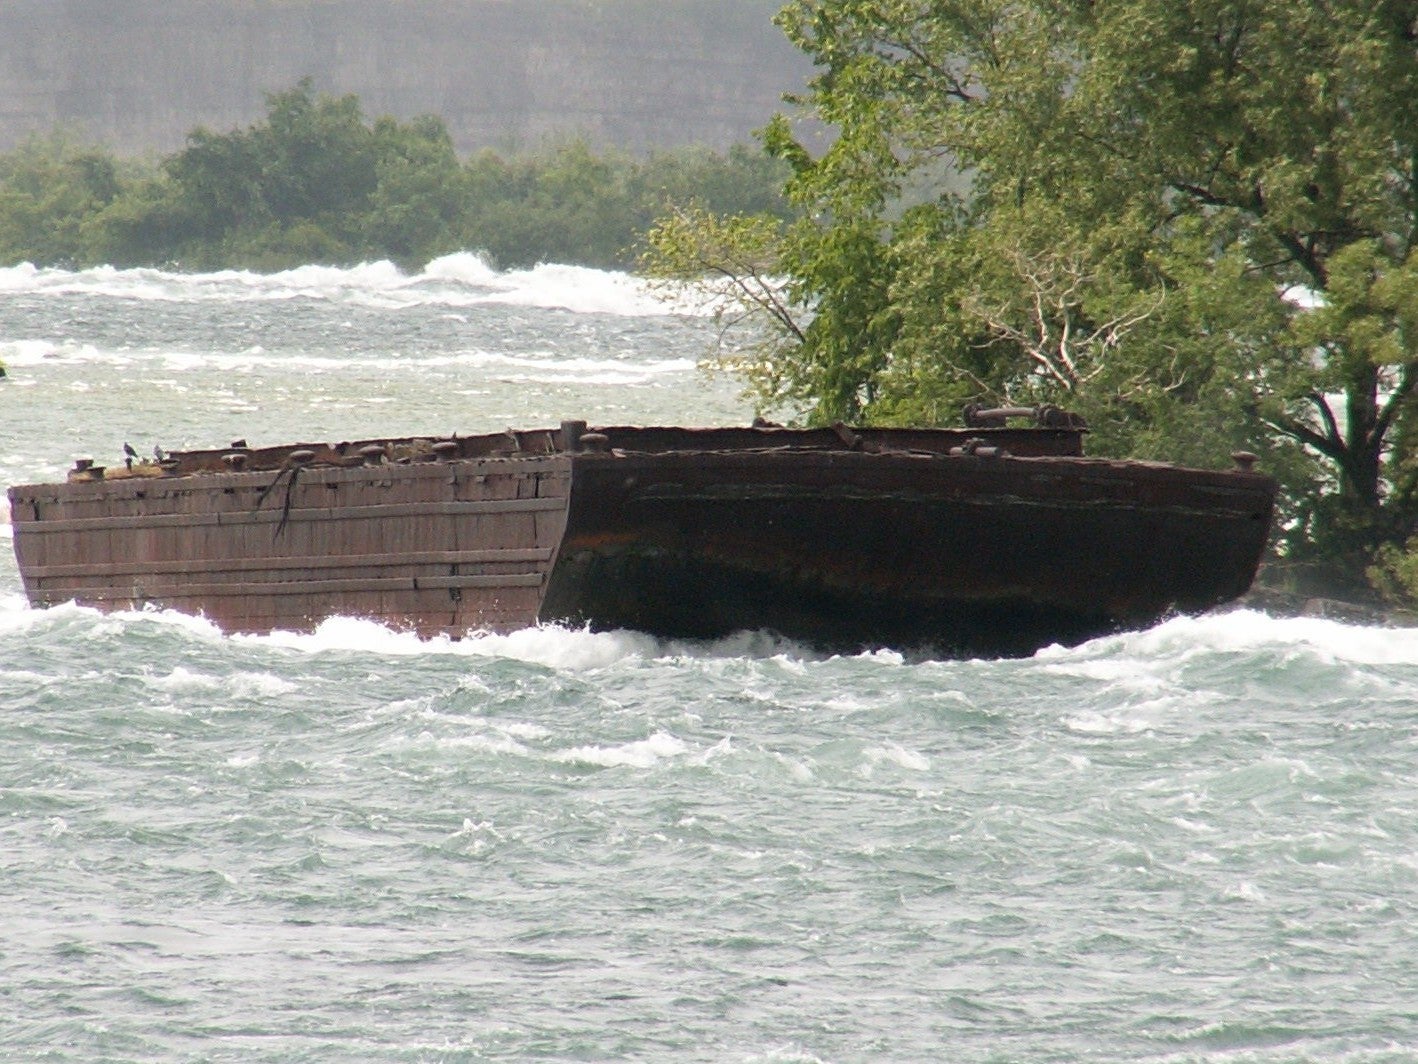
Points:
(969, 554)
(1019, 441)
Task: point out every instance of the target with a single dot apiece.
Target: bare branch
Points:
(1054, 331)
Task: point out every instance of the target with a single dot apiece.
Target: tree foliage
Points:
(49, 188)
(1191, 220)
(315, 181)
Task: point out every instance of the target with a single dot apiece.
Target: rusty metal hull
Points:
(841, 538)
(963, 555)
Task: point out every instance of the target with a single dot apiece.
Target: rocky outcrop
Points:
(637, 74)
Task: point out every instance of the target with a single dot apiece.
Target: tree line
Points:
(1191, 221)
(317, 182)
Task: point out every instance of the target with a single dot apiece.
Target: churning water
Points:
(1195, 843)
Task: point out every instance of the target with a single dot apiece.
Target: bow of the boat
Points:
(983, 553)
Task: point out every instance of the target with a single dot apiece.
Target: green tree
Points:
(49, 187)
(411, 215)
(313, 181)
(567, 203)
(281, 191)
(1192, 220)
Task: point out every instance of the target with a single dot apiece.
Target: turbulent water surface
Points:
(1196, 843)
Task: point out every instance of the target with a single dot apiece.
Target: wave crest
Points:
(463, 279)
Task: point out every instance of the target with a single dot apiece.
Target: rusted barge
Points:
(990, 539)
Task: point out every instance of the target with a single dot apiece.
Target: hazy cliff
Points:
(632, 73)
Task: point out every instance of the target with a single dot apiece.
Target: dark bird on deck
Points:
(128, 455)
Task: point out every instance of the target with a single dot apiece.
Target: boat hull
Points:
(961, 555)
(439, 549)
(944, 541)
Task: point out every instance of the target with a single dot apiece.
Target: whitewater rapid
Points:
(1188, 845)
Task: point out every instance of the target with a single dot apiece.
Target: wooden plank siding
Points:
(439, 548)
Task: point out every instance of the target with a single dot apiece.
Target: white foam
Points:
(785, 1055)
(25, 353)
(182, 680)
(579, 289)
(899, 756)
(459, 280)
(27, 677)
(526, 730)
(1242, 631)
(645, 753)
(17, 278)
(1142, 663)
(566, 648)
(17, 616)
(1091, 722)
(549, 645)
(349, 633)
(541, 367)
(1244, 891)
(486, 744)
(548, 368)
(749, 643)
(465, 267)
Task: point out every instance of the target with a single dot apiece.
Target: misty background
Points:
(637, 75)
